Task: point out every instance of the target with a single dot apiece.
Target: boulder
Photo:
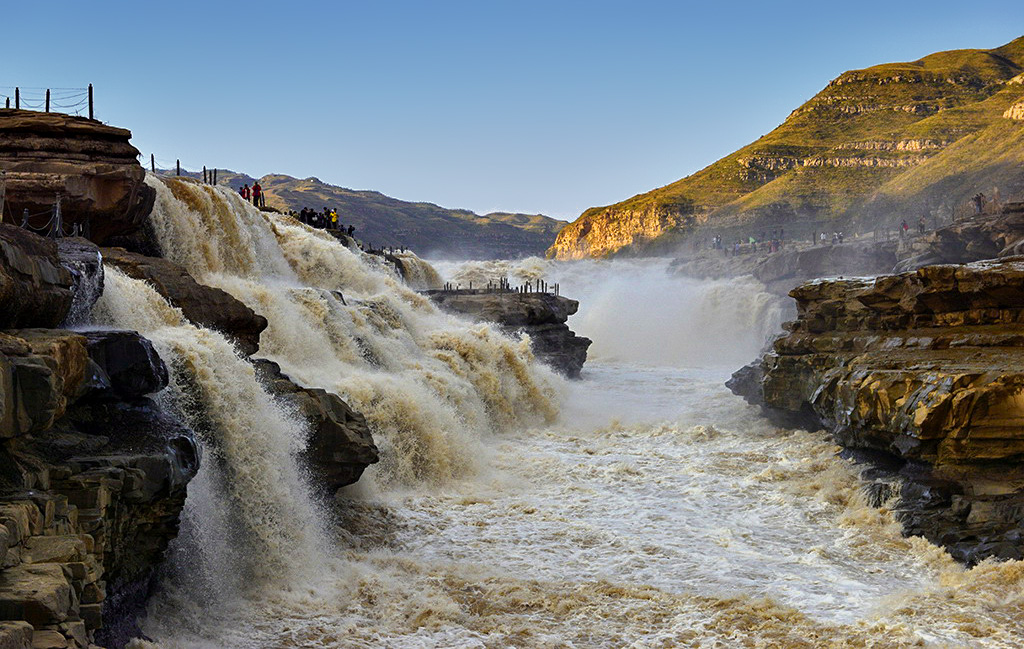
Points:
(126, 364)
(340, 445)
(542, 316)
(35, 289)
(203, 305)
(91, 166)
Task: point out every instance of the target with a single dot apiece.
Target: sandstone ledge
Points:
(925, 368)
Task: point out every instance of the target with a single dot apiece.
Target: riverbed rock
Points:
(542, 316)
(203, 305)
(35, 289)
(926, 368)
(340, 445)
(91, 166)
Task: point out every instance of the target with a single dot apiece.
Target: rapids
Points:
(644, 506)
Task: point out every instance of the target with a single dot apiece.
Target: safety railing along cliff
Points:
(504, 286)
(71, 101)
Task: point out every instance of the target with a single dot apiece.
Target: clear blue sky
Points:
(525, 106)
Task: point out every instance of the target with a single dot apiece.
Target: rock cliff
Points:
(922, 373)
(541, 316)
(91, 166)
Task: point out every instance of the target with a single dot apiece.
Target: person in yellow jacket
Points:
(334, 220)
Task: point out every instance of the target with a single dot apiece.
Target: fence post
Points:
(214, 176)
(57, 230)
(8, 103)
(177, 164)
(90, 102)
(47, 100)
(17, 98)
(152, 162)
(205, 181)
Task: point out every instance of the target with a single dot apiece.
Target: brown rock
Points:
(92, 166)
(35, 290)
(202, 305)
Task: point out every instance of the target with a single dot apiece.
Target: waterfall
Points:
(248, 512)
(430, 385)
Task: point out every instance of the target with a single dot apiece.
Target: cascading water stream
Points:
(655, 510)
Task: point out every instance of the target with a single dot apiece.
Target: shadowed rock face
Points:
(340, 446)
(93, 476)
(925, 368)
(540, 315)
(982, 236)
(92, 166)
(203, 305)
(35, 290)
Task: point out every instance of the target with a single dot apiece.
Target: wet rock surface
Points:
(93, 478)
(542, 316)
(83, 260)
(35, 289)
(925, 368)
(340, 445)
(203, 305)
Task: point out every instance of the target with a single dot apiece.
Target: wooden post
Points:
(17, 98)
(177, 164)
(90, 102)
(214, 176)
(205, 180)
(152, 162)
(47, 100)
(8, 102)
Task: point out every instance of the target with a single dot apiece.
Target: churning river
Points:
(644, 506)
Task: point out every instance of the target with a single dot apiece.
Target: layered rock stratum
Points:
(92, 168)
(894, 139)
(921, 372)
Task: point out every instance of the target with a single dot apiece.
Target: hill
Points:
(427, 229)
(875, 145)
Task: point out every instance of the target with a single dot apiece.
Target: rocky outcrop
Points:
(35, 289)
(973, 238)
(203, 305)
(340, 445)
(93, 478)
(92, 167)
(922, 371)
(606, 231)
(542, 316)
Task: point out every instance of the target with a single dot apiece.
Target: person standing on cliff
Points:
(257, 194)
(244, 191)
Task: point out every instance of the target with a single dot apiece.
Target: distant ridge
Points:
(890, 141)
(427, 229)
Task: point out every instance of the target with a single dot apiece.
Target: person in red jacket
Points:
(257, 194)
(244, 191)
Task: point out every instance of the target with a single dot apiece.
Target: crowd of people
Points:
(326, 219)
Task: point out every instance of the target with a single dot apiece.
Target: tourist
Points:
(257, 194)
(244, 191)
(334, 219)
(351, 229)
(921, 225)
(823, 238)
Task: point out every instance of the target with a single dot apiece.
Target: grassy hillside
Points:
(871, 145)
